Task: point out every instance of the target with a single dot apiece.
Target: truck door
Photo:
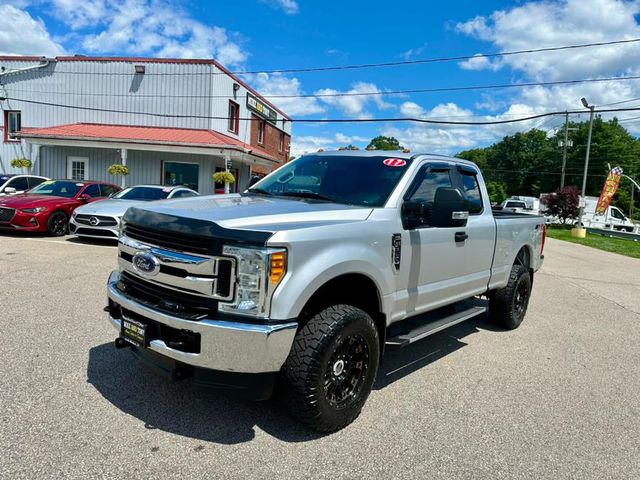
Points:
(481, 230)
(437, 262)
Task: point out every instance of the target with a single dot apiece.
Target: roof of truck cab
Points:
(390, 154)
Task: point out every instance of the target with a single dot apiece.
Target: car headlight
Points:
(258, 272)
(34, 210)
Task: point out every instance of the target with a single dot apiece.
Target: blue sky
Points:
(249, 35)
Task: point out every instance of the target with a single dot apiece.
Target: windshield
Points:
(365, 181)
(58, 188)
(143, 193)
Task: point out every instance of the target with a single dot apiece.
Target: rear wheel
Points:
(57, 224)
(508, 306)
(331, 368)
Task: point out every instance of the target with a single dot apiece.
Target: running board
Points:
(434, 327)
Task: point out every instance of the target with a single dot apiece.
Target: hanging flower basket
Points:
(224, 177)
(21, 163)
(117, 169)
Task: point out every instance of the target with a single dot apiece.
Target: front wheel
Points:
(508, 306)
(331, 368)
(57, 224)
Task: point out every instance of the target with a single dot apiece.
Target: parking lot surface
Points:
(557, 398)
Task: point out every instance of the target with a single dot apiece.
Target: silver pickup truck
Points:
(304, 279)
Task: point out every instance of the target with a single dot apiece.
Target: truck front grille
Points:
(172, 240)
(6, 214)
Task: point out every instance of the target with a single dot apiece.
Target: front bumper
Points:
(225, 346)
(81, 230)
(27, 222)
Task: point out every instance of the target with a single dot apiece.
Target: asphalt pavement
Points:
(557, 398)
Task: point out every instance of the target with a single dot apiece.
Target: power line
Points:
(328, 120)
(620, 102)
(331, 68)
(377, 93)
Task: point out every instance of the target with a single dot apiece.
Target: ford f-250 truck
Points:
(302, 280)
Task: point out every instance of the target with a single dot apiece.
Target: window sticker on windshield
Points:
(79, 184)
(395, 162)
(167, 189)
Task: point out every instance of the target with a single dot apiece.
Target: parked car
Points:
(47, 207)
(513, 206)
(102, 219)
(14, 184)
(313, 271)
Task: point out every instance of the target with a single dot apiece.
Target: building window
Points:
(261, 127)
(12, 125)
(234, 116)
(281, 143)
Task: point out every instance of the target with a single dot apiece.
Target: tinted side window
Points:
(431, 181)
(34, 181)
(92, 190)
(108, 190)
(20, 184)
(472, 193)
(183, 194)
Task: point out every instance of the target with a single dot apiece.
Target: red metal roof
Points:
(146, 135)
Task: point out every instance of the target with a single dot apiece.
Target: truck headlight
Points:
(258, 271)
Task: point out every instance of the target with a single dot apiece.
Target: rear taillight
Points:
(544, 237)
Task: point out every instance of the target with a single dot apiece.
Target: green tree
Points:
(384, 143)
(497, 192)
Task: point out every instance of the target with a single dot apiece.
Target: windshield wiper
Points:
(259, 190)
(316, 196)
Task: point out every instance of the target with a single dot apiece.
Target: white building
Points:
(171, 121)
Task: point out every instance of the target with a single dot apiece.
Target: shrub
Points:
(224, 177)
(117, 169)
(21, 163)
(564, 203)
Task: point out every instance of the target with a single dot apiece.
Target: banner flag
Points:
(609, 190)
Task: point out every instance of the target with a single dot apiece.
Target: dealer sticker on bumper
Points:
(133, 331)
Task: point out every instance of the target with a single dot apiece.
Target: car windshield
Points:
(58, 188)
(143, 193)
(351, 180)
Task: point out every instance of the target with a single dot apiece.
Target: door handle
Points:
(461, 236)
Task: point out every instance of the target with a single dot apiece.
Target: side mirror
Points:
(84, 197)
(448, 208)
(414, 214)
(10, 190)
(254, 179)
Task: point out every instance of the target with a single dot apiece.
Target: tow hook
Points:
(121, 343)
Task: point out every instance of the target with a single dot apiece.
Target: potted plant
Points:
(118, 170)
(21, 163)
(225, 177)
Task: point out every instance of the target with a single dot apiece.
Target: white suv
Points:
(14, 184)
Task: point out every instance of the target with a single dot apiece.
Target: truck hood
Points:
(31, 201)
(111, 207)
(259, 213)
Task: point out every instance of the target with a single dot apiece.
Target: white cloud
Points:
(413, 52)
(479, 62)
(411, 109)
(354, 106)
(565, 22)
(301, 144)
(21, 34)
(278, 84)
(145, 27)
(290, 7)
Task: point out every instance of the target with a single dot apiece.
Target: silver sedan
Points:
(102, 219)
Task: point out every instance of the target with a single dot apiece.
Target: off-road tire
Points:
(310, 367)
(55, 222)
(508, 306)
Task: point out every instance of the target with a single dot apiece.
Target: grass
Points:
(628, 248)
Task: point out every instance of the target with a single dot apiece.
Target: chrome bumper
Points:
(224, 345)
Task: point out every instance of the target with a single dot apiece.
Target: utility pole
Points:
(633, 187)
(564, 147)
(580, 231)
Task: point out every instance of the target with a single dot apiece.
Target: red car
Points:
(47, 207)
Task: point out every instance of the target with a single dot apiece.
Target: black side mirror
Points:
(254, 179)
(414, 214)
(448, 208)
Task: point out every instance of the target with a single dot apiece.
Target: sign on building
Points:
(259, 107)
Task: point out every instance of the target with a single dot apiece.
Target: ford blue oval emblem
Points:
(146, 264)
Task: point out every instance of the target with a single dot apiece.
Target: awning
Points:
(181, 140)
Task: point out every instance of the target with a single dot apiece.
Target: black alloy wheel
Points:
(346, 372)
(57, 224)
